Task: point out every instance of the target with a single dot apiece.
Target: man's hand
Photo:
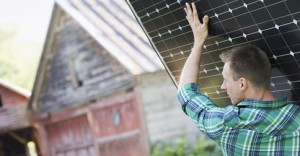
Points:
(200, 31)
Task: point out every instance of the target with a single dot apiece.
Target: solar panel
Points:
(273, 25)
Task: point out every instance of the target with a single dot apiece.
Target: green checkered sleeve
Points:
(206, 115)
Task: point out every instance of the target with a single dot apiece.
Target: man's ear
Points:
(243, 84)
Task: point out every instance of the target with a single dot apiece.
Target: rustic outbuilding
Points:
(15, 120)
(100, 87)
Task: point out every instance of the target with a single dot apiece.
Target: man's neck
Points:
(260, 94)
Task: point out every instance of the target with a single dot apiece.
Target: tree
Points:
(19, 57)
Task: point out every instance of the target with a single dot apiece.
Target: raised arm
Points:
(191, 67)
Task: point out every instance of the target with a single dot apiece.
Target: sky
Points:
(27, 22)
(31, 17)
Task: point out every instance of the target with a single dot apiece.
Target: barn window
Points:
(116, 118)
(77, 71)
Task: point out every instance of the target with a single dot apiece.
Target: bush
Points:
(202, 147)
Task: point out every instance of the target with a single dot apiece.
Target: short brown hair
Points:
(250, 62)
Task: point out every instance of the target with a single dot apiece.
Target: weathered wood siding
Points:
(14, 117)
(10, 98)
(112, 127)
(77, 56)
(164, 116)
(119, 128)
(13, 112)
(71, 137)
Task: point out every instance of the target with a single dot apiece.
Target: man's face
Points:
(232, 87)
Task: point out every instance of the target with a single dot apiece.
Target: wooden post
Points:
(41, 138)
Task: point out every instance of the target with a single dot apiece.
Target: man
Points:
(256, 123)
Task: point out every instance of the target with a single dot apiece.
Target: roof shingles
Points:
(112, 24)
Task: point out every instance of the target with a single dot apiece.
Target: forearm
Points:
(191, 67)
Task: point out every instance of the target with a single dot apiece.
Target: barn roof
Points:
(113, 25)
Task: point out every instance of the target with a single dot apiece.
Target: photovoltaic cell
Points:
(273, 25)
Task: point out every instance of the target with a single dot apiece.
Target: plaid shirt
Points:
(250, 128)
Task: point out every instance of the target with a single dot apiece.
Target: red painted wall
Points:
(73, 136)
(111, 127)
(118, 129)
(10, 98)
(14, 113)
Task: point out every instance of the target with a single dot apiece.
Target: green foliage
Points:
(19, 57)
(202, 147)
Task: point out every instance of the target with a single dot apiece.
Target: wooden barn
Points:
(16, 129)
(100, 88)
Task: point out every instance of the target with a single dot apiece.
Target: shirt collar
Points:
(263, 104)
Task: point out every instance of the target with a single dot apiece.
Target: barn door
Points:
(118, 129)
(72, 137)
